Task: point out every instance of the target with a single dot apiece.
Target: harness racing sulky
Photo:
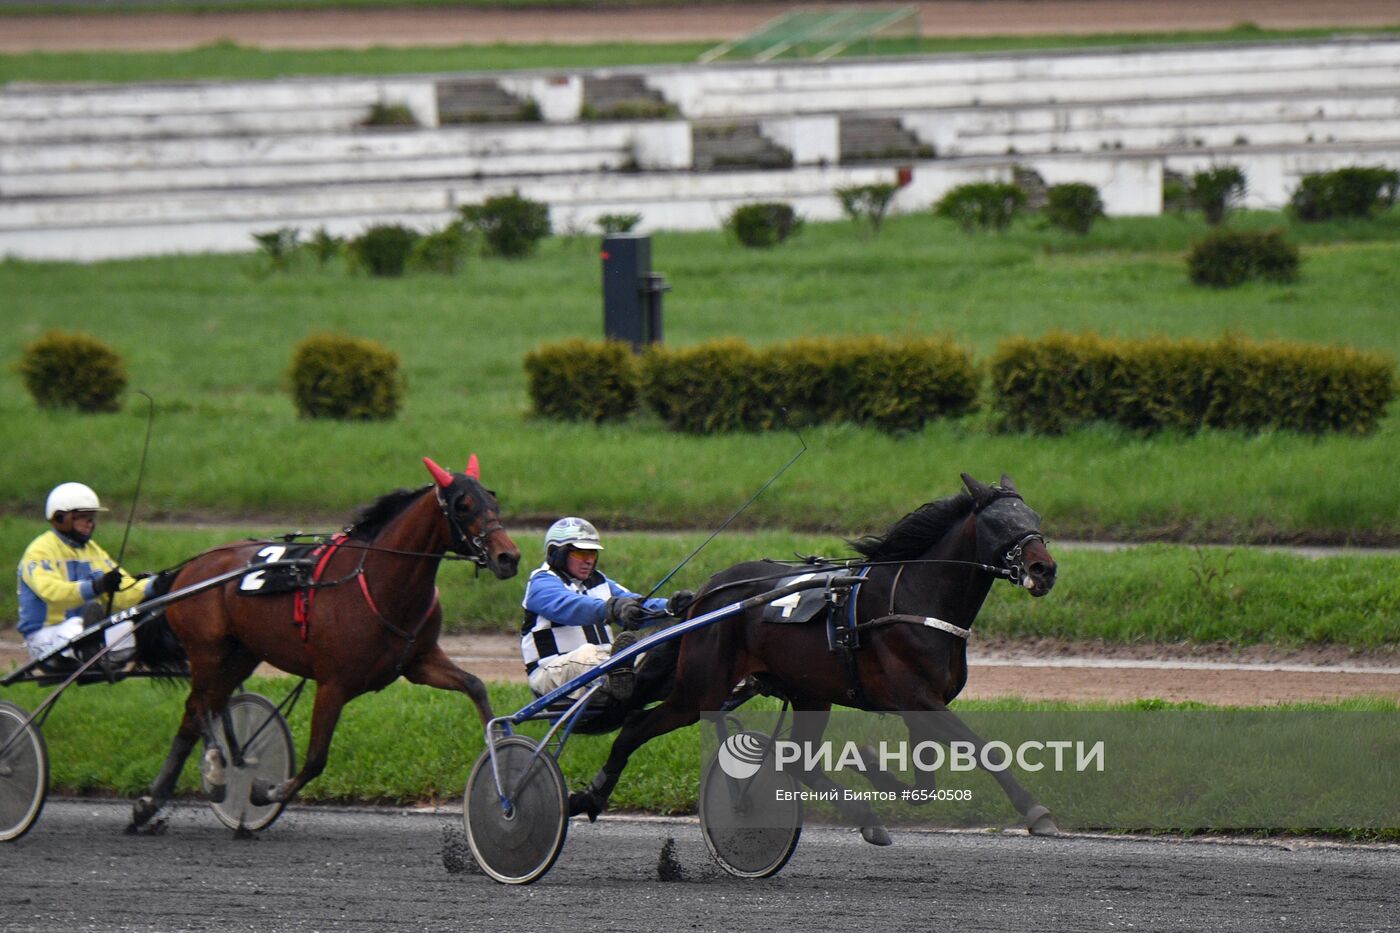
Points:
(886, 631)
(352, 611)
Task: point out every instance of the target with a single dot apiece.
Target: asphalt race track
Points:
(380, 869)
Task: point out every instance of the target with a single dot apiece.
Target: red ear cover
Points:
(474, 468)
(443, 478)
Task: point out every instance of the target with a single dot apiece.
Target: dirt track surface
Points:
(1086, 673)
(331, 869)
(1072, 673)
(441, 26)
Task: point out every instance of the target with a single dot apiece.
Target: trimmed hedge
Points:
(580, 380)
(1062, 381)
(1048, 385)
(1073, 207)
(1346, 192)
(347, 378)
(763, 225)
(383, 249)
(726, 385)
(63, 370)
(987, 205)
(1226, 258)
(512, 225)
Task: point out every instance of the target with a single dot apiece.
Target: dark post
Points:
(631, 291)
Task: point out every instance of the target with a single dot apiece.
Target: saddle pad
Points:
(804, 605)
(272, 581)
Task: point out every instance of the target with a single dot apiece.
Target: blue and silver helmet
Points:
(572, 532)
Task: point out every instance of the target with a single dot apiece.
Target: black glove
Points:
(111, 582)
(626, 611)
(679, 602)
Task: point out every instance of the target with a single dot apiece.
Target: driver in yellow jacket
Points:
(65, 576)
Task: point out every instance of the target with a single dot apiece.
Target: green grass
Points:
(414, 744)
(211, 337)
(1151, 594)
(228, 60)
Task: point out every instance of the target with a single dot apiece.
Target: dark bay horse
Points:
(935, 565)
(372, 616)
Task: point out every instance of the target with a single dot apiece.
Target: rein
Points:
(857, 564)
(304, 596)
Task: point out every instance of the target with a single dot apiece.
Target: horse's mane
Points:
(916, 532)
(372, 518)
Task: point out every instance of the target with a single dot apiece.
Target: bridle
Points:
(483, 511)
(1012, 554)
(1015, 560)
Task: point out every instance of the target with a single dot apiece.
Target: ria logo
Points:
(742, 755)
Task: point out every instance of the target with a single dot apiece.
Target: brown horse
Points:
(371, 615)
(925, 581)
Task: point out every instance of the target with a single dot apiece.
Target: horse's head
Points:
(473, 520)
(1008, 535)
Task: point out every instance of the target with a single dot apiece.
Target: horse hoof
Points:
(876, 835)
(153, 828)
(211, 770)
(260, 793)
(1040, 823)
(141, 811)
(584, 803)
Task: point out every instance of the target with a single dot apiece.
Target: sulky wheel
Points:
(516, 840)
(24, 772)
(751, 824)
(264, 751)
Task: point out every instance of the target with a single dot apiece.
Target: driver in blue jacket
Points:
(570, 608)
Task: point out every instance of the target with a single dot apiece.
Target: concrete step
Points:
(314, 147)
(874, 139)
(993, 79)
(481, 101)
(730, 146)
(1257, 118)
(72, 112)
(269, 176)
(622, 97)
(156, 222)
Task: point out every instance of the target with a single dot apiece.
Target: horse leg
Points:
(161, 788)
(945, 726)
(636, 731)
(194, 724)
(330, 700)
(435, 669)
(808, 725)
(883, 780)
(207, 693)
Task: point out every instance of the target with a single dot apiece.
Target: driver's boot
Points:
(622, 680)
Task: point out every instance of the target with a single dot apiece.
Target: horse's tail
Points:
(157, 648)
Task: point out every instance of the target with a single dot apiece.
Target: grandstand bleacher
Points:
(93, 171)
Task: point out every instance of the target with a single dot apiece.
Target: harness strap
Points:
(843, 639)
(364, 588)
(928, 621)
(303, 599)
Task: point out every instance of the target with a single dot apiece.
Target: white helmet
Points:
(71, 497)
(574, 532)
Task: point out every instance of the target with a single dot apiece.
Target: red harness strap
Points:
(364, 588)
(303, 598)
